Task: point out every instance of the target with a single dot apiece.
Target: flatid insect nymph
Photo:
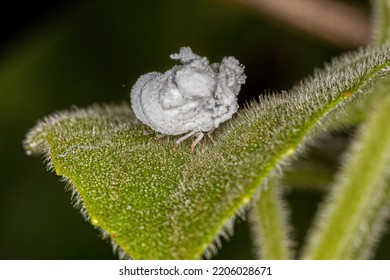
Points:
(191, 99)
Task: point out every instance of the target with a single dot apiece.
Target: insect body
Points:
(189, 99)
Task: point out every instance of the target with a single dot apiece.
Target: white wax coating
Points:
(192, 97)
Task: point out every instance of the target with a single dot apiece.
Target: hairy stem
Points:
(269, 223)
(381, 16)
(345, 227)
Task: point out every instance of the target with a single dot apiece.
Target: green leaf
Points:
(157, 202)
(348, 224)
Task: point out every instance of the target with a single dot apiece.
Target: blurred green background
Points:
(84, 52)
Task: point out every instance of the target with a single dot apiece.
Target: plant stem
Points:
(269, 223)
(381, 16)
(377, 227)
(345, 227)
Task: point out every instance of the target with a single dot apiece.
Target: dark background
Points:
(55, 54)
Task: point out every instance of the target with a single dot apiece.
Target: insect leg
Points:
(181, 139)
(209, 134)
(200, 136)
